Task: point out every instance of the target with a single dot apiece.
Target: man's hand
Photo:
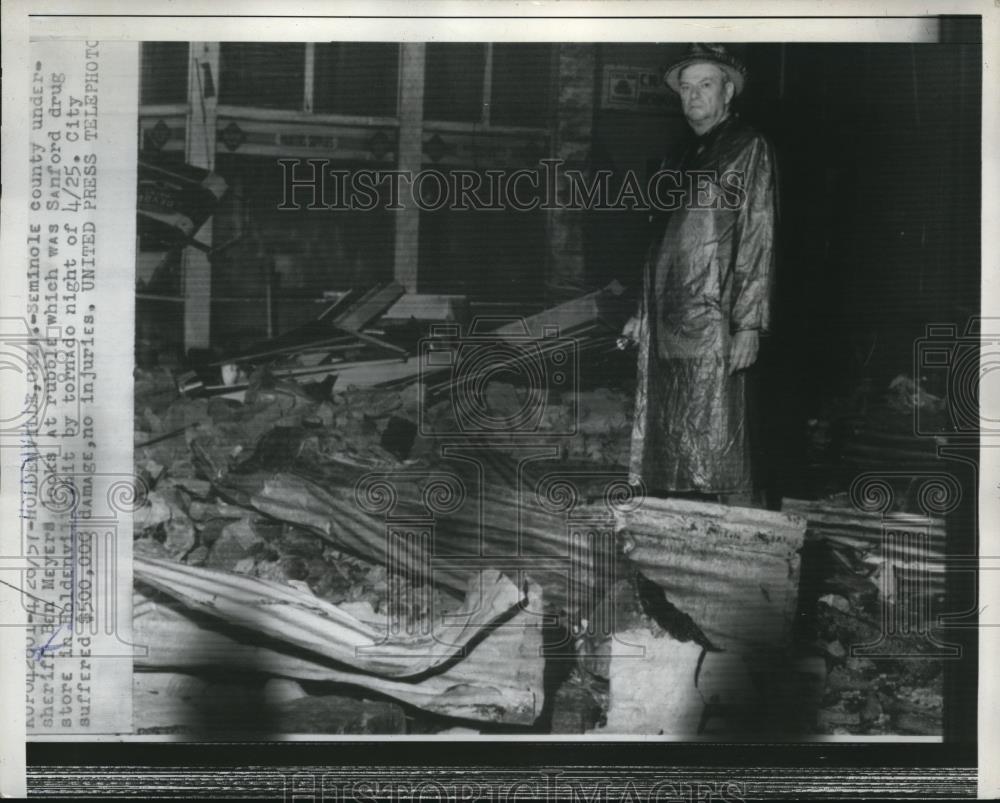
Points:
(631, 330)
(743, 352)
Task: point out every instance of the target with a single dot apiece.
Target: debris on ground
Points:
(875, 558)
(272, 580)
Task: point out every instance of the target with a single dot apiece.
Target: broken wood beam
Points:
(604, 306)
(371, 340)
(347, 368)
(331, 344)
(366, 309)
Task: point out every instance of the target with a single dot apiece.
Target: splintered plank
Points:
(366, 309)
(733, 570)
(337, 328)
(604, 305)
(312, 333)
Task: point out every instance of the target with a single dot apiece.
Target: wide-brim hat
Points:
(698, 53)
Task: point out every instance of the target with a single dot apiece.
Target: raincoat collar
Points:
(706, 139)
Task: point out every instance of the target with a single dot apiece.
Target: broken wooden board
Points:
(373, 373)
(326, 345)
(589, 320)
(366, 309)
(311, 333)
(499, 680)
(601, 306)
(306, 621)
(733, 570)
(427, 307)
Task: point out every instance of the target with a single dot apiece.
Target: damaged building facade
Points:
(383, 442)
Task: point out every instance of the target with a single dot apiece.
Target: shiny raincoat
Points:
(710, 277)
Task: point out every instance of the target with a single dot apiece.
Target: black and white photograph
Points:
(536, 388)
(643, 315)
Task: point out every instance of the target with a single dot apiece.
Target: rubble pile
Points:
(284, 545)
(866, 616)
(197, 457)
(244, 489)
(602, 421)
(588, 426)
(874, 560)
(875, 696)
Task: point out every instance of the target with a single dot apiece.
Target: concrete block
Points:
(653, 692)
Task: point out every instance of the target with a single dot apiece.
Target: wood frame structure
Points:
(201, 128)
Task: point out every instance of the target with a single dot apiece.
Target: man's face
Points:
(705, 95)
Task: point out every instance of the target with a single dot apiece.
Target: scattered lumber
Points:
(427, 308)
(606, 306)
(336, 343)
(329, 344)
(591, 322)
(370, 306)
(323, 342)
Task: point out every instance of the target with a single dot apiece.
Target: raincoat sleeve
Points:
(753, 277)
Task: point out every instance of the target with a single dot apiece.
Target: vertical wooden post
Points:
(310, 76)
(199, 150)
(574, 102)
(410, 158)
(487, 86)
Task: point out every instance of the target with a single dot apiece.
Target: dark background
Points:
(878, 153)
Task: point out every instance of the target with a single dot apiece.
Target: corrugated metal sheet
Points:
(909, 546)
(733, 570)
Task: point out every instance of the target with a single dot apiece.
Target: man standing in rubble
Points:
(706, 296)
